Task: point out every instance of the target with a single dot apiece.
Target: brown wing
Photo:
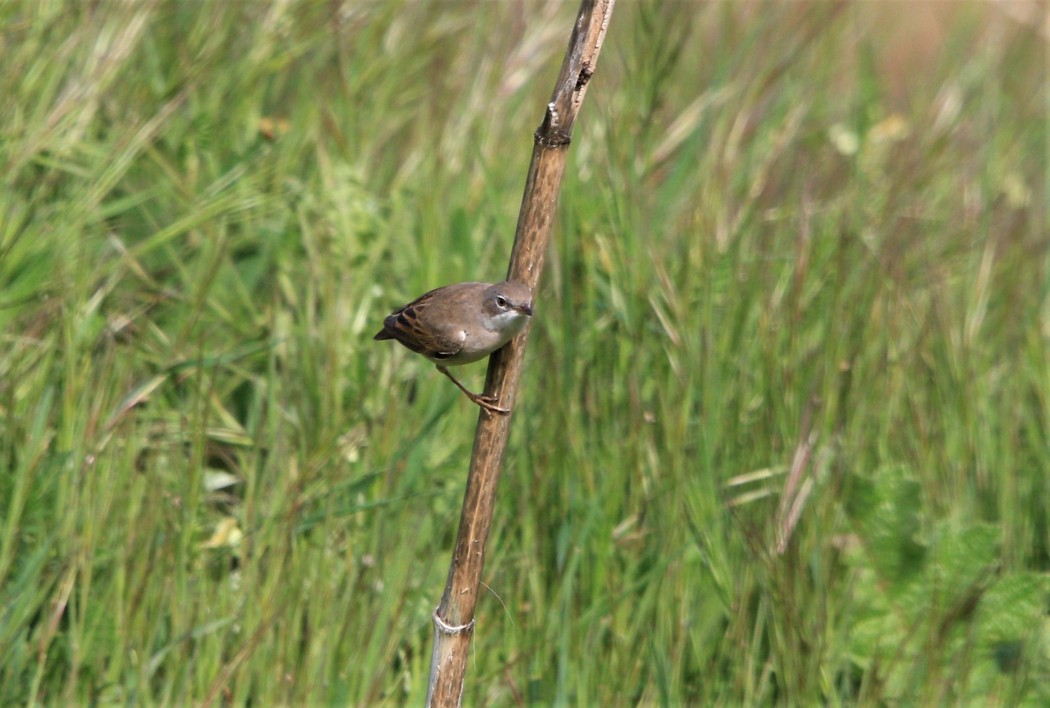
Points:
(411, 327)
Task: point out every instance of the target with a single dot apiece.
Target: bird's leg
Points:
(488, 403)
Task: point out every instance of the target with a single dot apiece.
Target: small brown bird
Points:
(459, 324)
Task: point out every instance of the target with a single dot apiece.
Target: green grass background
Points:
(783, 431)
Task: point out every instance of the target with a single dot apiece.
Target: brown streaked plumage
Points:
(462, 323)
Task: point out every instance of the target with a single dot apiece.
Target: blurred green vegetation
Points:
(784, 432)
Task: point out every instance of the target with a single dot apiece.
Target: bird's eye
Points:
(501, 301)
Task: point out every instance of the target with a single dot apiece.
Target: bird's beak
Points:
(525, 310)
